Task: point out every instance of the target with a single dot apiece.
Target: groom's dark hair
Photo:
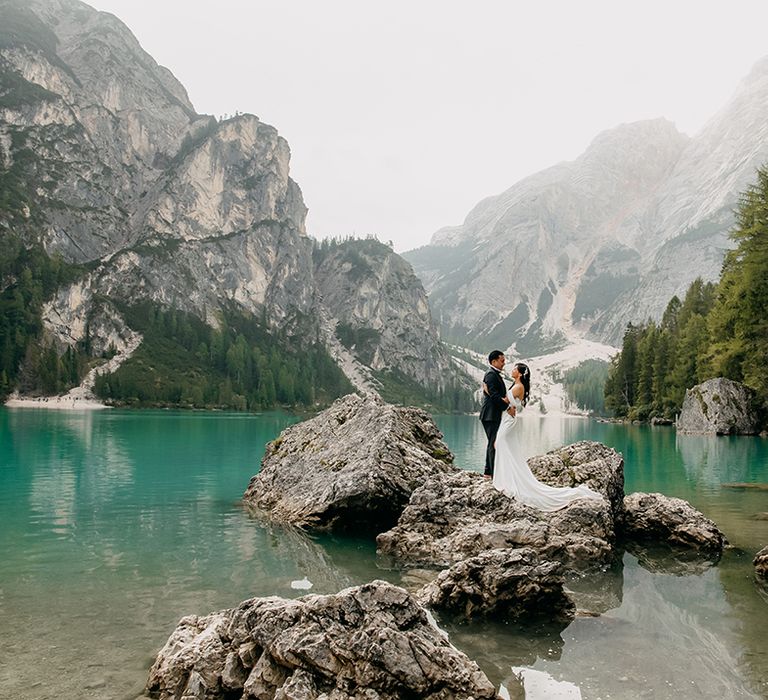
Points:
(494, 354)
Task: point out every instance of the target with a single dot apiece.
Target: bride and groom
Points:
(498, 413)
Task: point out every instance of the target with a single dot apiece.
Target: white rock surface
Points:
(719, 407)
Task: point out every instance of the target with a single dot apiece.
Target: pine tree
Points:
(621, 385)
(646, 355)
(738, 322)
(663, 362)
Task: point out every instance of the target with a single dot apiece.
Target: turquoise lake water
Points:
(114, 524)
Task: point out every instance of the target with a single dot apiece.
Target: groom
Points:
(495, 402)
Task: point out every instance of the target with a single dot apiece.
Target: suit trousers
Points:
(491, 428)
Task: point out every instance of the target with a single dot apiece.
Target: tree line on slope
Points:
(28, 278)
(718, 330)
(240, 365)
(182, 361)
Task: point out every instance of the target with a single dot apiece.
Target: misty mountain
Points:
(105, 163)
(584, 247)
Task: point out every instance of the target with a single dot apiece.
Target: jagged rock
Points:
(761, 563)
(586, 462)
(365, 286)
(353, 466)
(512, 583)
(653, 516)
(719, 406)
(372, 642)
(456, 516)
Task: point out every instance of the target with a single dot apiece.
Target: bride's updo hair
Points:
(525, 378)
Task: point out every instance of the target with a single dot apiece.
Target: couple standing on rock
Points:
(498, 414)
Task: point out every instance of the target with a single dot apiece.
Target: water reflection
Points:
(116, 524)
(329, 562)
(675, 635)
(660, 559)
(599, 591)
(714, 460)
(748, 609)
(497, 646)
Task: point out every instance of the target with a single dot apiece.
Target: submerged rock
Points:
(456, 516)
(719, 407)
(653, 516)
(761, 563)
(352, 467)
(674, 561)
(508, 583)
(372, 641)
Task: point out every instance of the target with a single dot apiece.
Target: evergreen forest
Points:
(717, 330)
(585, 385)
(29, 277)
(240, 365)
(181, 361)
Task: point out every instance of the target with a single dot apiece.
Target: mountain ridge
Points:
(647, 241)
(106, 164)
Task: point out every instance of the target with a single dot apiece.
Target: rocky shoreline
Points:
(366, 466)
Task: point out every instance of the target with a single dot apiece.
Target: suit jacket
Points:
(493, 402)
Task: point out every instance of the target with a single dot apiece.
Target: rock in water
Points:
(456, 516)
(353, 467)
(719, 407)
(586, 462)
(373, 641)
(506, 583)
(761, 563)
(653, 516)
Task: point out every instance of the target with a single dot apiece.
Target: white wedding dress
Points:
(513, 477)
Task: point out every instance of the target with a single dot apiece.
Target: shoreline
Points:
(55, 403)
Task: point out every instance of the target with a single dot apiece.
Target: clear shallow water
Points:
(114, 524)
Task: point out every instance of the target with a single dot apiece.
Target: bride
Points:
(511, 475)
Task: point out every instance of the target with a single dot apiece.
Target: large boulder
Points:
(761, 563)
(506, 583)
(719, 407)
(456, 516)
(352, 467)
(598, 466)
(370, 642)
(653, 516)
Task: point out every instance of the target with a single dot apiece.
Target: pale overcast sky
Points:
(401, 116)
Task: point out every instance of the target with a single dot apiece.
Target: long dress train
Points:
(513, 477)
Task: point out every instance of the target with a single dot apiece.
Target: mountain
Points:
(583, 248)
(106, 166)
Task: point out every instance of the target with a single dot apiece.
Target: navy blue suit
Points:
(491, 410)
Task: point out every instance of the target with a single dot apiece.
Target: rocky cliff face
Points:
(380, 311)
(105, 161)
(586, 246)
(526, 252)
